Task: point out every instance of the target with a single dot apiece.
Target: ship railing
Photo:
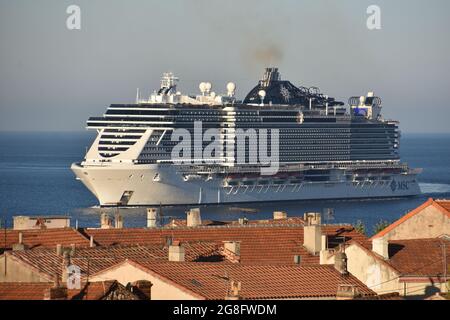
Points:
(292, 168)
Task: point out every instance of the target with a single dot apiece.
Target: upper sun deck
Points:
(271, 100)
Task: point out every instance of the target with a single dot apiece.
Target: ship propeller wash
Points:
(324, 148)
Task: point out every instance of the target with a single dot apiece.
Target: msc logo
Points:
(402, 185)
(393, 185)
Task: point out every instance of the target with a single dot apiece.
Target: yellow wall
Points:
(377, 276)
(429, 223)
(381, 278)
(18, 272)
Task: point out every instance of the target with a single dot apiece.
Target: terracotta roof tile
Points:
(415, 258)
(272, 244)
(43, 237)
(23, 291)
(420, 257)
(288, 221)
(444, 204)
(36, 290)
(49, 264)
(386, 296)
(212, 281)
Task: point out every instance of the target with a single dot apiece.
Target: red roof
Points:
(415, 258)
(287, 221)
(272, 244)
(43, 238)
(420, 257)
(212, 280)
(46, 262)
(36, 290)
(442, 205)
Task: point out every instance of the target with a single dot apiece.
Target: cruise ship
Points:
(324, 149)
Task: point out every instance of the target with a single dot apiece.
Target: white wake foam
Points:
(434, 187)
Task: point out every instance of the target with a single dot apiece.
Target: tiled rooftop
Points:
(49, 264)
(386, 296)
(212, 280)
(418, 257)
(43, 238)
(272, 244)
(36, 290)
(288, 221)
(444, 204)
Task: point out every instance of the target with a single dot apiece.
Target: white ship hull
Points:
(110, 183)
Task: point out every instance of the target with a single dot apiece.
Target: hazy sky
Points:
(52, 78)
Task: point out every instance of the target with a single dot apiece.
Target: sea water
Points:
(35, 179)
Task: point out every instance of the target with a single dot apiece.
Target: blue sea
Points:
(35, 179)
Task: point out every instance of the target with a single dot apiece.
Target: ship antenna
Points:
(137, 96)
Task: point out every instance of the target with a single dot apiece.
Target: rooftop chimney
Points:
(278, 215)
(105, 221)
(19, 246)
(193, 218)
(312, 218)
(340, 262)
(242, 221)
(347, 292)
(91, 241)
(58, 249)
(232, 251)
(233, 247)
(235, 291)
(118, 221)
(381, 247)
(151, 217)
(176, 252)
(312, 233)
(55, 293)
(64, 271)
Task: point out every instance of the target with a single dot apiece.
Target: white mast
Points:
(137, 96)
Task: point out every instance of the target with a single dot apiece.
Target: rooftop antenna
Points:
(329, 214)
(444, 260)
(4, 228)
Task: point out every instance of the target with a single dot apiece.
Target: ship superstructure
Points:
(326, 149)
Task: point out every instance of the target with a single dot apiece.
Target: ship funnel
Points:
(271, 74)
